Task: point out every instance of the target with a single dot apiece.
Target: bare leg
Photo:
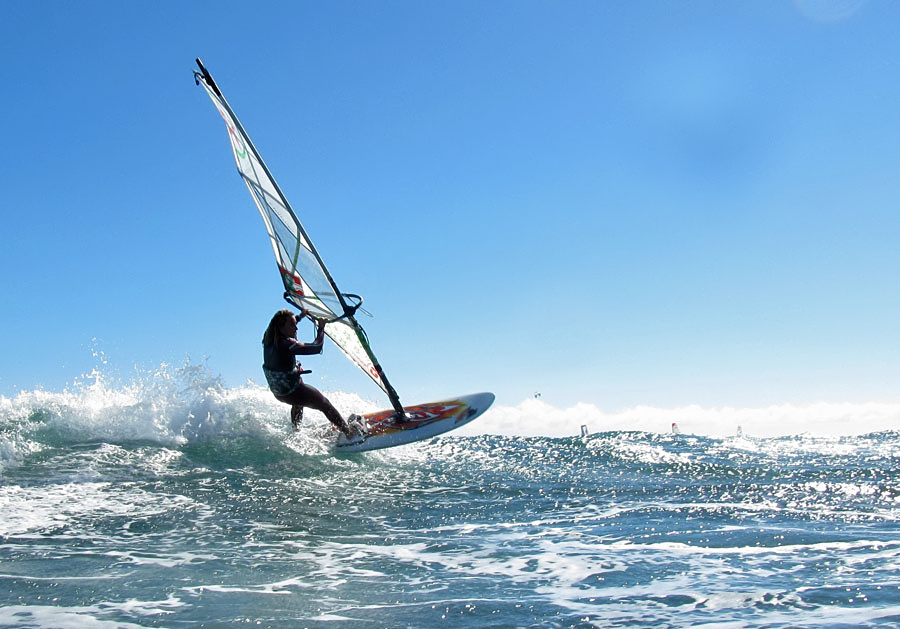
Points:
(296, 415)
(311, 397)
(320, 403)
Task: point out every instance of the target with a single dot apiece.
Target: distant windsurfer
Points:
(284, 375)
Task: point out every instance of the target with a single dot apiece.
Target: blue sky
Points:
(618, 203)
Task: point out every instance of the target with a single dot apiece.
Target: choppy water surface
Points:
(194, 506)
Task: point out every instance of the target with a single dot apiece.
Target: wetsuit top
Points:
(280, 364)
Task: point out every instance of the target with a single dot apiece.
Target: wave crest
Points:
(180, 407)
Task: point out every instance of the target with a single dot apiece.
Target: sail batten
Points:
(307, 282)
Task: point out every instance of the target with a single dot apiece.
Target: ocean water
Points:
(175, 501)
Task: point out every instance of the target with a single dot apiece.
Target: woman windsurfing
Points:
(284, 373)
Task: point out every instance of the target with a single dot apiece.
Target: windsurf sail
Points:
(307, 282)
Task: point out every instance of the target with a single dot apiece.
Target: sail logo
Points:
(237, 142)
(292, 281)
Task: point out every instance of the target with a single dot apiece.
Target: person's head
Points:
(282, 325)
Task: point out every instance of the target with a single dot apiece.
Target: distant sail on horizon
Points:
(307, 282)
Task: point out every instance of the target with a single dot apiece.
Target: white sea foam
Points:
(58, 507)
(100, 615)
(169, 560)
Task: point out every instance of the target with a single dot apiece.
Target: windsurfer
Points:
(284, 375)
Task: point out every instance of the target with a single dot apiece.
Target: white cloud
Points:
(534, 417)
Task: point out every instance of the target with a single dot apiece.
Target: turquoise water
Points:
(181, 503)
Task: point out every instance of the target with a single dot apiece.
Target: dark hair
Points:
(274, 330)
